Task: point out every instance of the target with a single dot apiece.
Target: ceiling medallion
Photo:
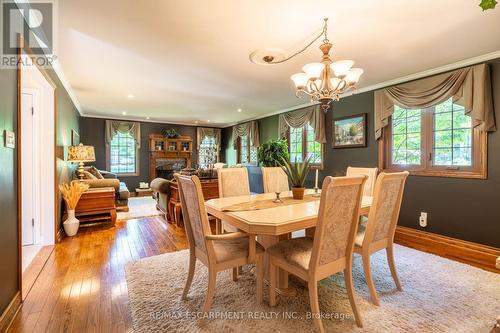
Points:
(322, 81)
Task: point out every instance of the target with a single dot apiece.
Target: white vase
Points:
(71, 224)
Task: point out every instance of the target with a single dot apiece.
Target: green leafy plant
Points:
(488, 4)
(272, 153)
(296, 172)
(171, 133)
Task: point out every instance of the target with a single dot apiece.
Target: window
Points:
(246, 153)
(302, 144)
(436, 141)
(208, 153)
(122, 155)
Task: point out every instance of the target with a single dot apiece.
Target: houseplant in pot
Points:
(272, 153)
(71, 194)
(297, 173)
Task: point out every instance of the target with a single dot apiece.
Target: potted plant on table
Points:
(297, 173)
(71, 194)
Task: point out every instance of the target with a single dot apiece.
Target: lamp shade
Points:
(313, 70)
(81, 153)
(353, 75)
(300, 80)
(341, 67)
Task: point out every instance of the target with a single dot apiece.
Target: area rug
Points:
(439, 295)
(139, 207)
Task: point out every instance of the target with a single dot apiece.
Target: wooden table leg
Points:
(112, 213)
(283, 288)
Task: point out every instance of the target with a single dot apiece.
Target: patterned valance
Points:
(250, 129)
(299, 118)
(469, 87)
(207, 132)
(124, 127)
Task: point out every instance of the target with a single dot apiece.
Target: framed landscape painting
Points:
(350, 131)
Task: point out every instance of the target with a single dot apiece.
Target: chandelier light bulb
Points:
(341, 67)
(313, 70)
(300, 80)
(353, 75)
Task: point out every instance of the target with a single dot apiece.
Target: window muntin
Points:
(123, 154)
(247, 154)
(436, 141)
(302, 144)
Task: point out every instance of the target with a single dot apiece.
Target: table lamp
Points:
(81, 154)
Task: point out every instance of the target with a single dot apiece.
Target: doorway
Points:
(37, 171)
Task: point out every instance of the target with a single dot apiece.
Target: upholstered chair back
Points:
(194, 214)
(233, 182)
(274, 179)
(386, 204)
(338, 218)
(371, 173)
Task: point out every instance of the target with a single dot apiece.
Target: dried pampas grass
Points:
(72, 192)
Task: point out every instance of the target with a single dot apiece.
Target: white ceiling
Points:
(187, 61)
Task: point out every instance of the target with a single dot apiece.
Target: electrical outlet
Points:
(423, 219)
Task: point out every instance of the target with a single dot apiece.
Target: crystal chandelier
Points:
(323, 81)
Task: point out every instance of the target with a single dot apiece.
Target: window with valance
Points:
(437, 126)
(208, 141)
(305, 131)
(246, 141)
(123, 140)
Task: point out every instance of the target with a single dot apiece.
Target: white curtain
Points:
(250, 129)
(124, 127)
(299, 118)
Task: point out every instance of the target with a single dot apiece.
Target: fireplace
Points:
(166, 167)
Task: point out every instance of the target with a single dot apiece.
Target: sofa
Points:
(161, 193)
(122, 194)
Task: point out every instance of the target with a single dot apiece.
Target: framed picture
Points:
(75, 138)
(350, 131)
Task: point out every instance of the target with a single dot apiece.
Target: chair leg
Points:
(392, 266)
(313, 298)
(369, 280)
(260, 278)
(350, 294)
(192, 265)
(272, 283)
(235, 274)
(212, 275)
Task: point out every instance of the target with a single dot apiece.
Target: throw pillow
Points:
(88, 175)
(93, 170)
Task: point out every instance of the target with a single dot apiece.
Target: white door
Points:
(28, 168)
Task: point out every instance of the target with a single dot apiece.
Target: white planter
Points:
(71, 224)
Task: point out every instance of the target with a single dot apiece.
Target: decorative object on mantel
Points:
(323, 81)
(71, 194)
(297, 173)
(81, 154)
(271, 153)
(171, 133)
(349, 131)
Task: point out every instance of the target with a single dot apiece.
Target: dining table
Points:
(272, 222)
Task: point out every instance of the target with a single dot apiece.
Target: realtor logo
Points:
(33, 24)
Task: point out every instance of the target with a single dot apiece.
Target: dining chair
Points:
(331, 249)
(274, 179)
(217, 252)
(381, 226)
(370, 182)
(219, 165)
(232, 182)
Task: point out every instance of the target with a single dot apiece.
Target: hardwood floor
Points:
(82, 287)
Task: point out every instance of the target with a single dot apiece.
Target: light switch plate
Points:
(10, 139)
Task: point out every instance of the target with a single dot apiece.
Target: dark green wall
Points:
(461, 208)
(92, 133)
(8, 191)
(67, 118)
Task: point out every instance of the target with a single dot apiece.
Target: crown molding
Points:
(155, 121)
(399, 80)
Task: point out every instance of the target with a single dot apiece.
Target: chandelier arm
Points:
(323, 32)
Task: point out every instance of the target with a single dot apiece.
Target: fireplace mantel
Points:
(163, 150)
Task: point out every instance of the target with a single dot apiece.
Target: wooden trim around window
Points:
(130, 174)
(479, 151)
